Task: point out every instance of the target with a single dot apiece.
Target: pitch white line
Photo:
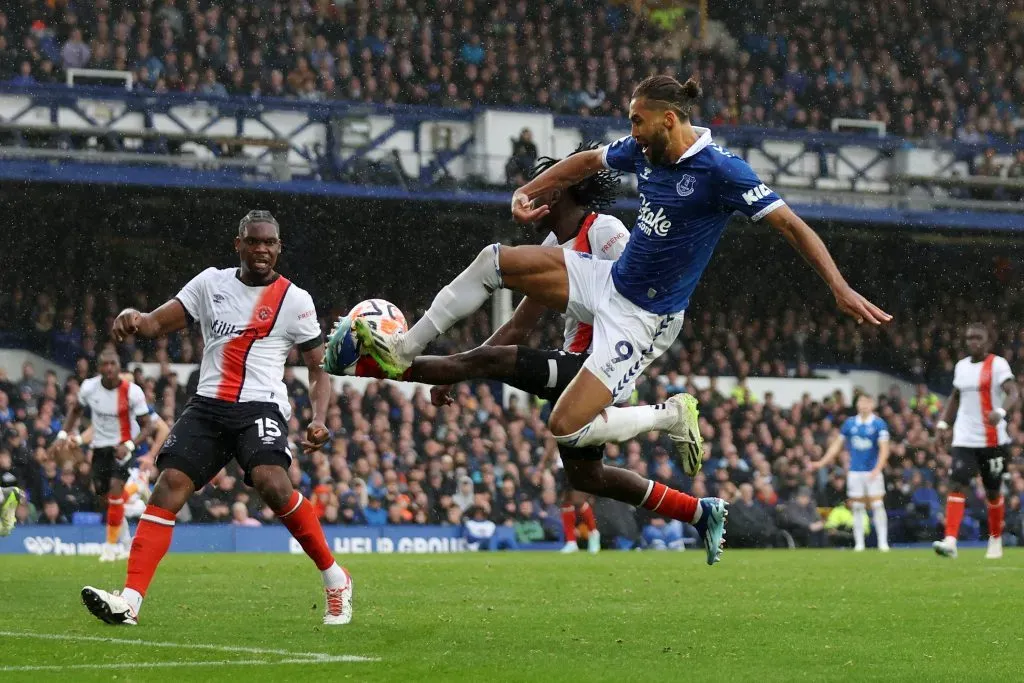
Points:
(310, 656)
(168, 665)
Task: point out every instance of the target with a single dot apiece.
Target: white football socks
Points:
(460, 298)
(881, 521)
(334, 576)
(133, 598)
(859, 511)
(615, 425)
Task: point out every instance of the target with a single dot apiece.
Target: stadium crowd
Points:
(942, 71)
(393, 459)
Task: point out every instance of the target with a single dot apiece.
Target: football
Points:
(383, 316)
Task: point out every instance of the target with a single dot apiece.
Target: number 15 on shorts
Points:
(268, 428)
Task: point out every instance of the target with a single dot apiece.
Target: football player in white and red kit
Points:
(120, 420)
(251, 317)
(984, 391)
(576, 223)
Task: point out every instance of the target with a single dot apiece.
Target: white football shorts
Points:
(626, 337)
(862, 485)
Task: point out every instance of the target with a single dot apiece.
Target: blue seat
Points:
(87, 518)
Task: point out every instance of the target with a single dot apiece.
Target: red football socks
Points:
(954, 514)
(671, 503)
(569, 523)
(115, 516)
(588, 516)
(152, 539)
(300, 519)
(995, 518)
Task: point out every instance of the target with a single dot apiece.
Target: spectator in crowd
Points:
(800, 517)
(240, 515)
(524, 156)
(751, 525)
(75, 53)
(51, 513)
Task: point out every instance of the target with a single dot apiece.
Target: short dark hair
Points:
(595, 193)
(670, 93)
(257, 216)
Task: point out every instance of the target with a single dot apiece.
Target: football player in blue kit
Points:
(866, 436)
(689, 188)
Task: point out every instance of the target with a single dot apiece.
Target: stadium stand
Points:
(396, 460)
(918, 75)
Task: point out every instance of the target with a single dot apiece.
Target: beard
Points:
(657, 150)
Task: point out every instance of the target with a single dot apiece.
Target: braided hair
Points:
(257, 216)
(595, 193)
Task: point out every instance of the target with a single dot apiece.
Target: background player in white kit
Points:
(984, 391)
(866, 437)
(120, 419)
(251, 317)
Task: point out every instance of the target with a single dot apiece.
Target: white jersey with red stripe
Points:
(981, 391)
(605, 237)
(248, 333)
(115, 412)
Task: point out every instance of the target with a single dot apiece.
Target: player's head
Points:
(865, 404)
(595, 193)
(660, 108)
(259, 242)
(976, 339)
(109, 365)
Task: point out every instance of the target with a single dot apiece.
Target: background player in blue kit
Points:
(866, 436)
(689, 189)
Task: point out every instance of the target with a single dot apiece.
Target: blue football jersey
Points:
(684, 209)
(862, 440)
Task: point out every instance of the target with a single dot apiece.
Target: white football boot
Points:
(570, 547)
(109, 608)
(338, 606)
(946, 547)
(995, 548)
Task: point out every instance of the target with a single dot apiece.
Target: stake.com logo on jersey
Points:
(649, 221)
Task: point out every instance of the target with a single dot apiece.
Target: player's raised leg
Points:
(537, 272)
(707, 515)
(298, 516)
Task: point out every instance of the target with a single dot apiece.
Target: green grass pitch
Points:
(759, 616)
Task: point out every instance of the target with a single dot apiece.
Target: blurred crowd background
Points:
(940, 71)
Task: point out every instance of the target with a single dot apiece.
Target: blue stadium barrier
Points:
(224, 538)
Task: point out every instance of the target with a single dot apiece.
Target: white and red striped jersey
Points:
(248, 333)
(605, 237)
(115, 412)
(981, 391)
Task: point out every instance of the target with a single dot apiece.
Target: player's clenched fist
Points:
(126, 324)
(316, 436)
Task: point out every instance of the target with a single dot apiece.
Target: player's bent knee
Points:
(172, 490)
(273, 485)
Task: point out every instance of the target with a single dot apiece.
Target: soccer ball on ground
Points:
(344, 354)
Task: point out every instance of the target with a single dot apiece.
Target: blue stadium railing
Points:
(329, 172)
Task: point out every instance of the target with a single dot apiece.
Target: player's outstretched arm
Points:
(833, 451)
(319, 396)
(170, 317)
(814, 251)
(566, 172)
